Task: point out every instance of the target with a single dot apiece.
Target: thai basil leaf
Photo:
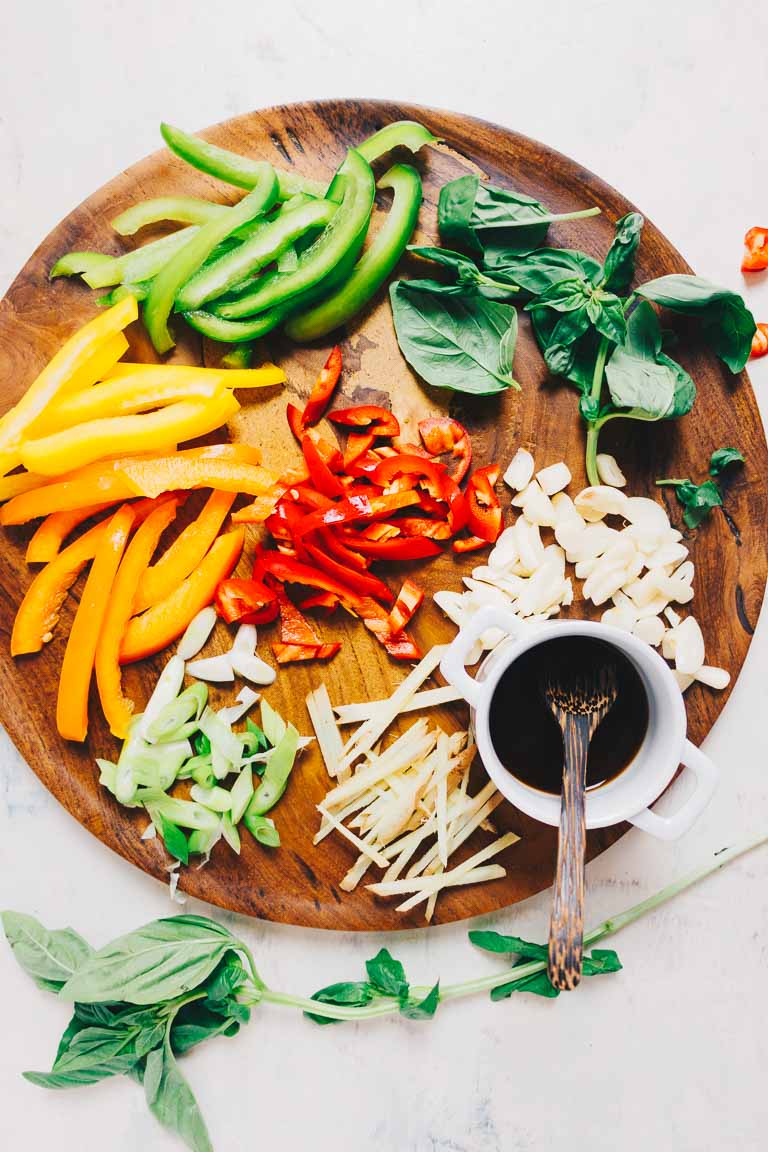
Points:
(422, 1009)
(467, 205)
(195, 1023)
(50, 958)
(509, 945)
(698, 500)
(170, 1098)
(606, 312)
(469, 278)
(601, 961)
(453, 341)
(619, 267)
(96, 1053)
(386, 974)
(728, 325)
(722, 458)
(355, 993)
(160, 961)
(543, 268)
(644, 379)
(567, 295)
(226, 979)
(538, 984)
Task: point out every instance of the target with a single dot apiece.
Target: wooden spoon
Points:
(578, 703)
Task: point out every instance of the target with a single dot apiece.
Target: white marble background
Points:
(667, 102)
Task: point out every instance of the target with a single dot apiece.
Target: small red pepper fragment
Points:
(322, 602)
(443, 434)
(408, 601)
(355, 508)
(421, 526)
(755, 250)
(759, 342)
(295, 419)
(323, 479)
(339, 549)
(381, 530)
(358, 443)
(290, 653)
(361, 582)
(485, 517)
(469, 544)
(290, 571)
(458, 505)
(399, 548)
(378, 421)
(398, 644)
(245, 602)
(294, 628)
(323, 388)
(431, 474)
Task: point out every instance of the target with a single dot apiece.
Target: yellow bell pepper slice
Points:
(120, 397)
(101, 361)
(265, 376)
(150, 432)
(80, 653)
(58, 374)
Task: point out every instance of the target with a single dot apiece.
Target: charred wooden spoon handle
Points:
(566, 929)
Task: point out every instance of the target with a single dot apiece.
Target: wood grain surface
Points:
(298, 884)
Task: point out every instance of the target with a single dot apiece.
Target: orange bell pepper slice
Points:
(184, 555)
(152, 477)
(47, 540)
(19, 483)
(117, 707)
(80, 653)
(68, 367)
(163, 623)
(148, 432)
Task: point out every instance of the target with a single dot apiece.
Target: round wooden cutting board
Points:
(298, 883)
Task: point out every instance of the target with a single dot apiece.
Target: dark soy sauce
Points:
(525, 734)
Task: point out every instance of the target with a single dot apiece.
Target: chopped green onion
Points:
(167, 688)
(272, 723)
(217, 799)
(263, 829)
(186, 813)
(173, 715)
(230, 834)
(240, 794)
(224, 742)
(202, 840)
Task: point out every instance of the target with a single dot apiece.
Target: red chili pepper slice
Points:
(428, 472)
(399, 644)
(290, 653)
(469, 544)
(358, 443)
(294, 628)
(322, 602)
(443, 434)
(755, 250)
(362, 582)
(378, 421)
(323, 388)
(323, 479)
(245, 601)
(420, 526)
(290, 571)
(295, 419)
(404, 609)
(399, 548)
(760, 342)
(485, 519)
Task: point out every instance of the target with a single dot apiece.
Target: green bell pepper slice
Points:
(263, 248)
(400, 134)
(188, 260)
(230, 166)
(373, 267)
(77, 263)
(235, 331)
(275, 778)
(345, 233)
(174, 209)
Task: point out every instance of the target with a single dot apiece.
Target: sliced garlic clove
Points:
(529, 546)
(667, 554)
(197, 633)
(689, 646)
(609, 472)
(565, 509)
(538, 509)
(519, 470)
(713, 677)
(654, 607)
(650, 629)
(568, 532)
(554, 478)
(566, 595)
(600, 500)
(618, 618)
(451, 603)
(684, 681)
(641, 510)
(252, 667)
(593, 541)
(672, 617)
(584, 568)
(215, 669)
(519, 499)
(621, 600)
(475, 653)
(245, 638)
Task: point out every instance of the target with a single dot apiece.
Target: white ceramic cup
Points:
(664, 747)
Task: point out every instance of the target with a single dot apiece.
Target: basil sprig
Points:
(698, 500)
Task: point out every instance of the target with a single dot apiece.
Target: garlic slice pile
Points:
(632, 563)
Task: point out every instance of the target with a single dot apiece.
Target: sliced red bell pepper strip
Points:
(430, 473)
(161, 624)
(378, 421)
(458, 505)
(290, 653)
(339, 549)
(421, 526)
(382, 530)
(485, 519)
(361, 582)
(323, 388)
(294, 628)
(322, 602)
(358, 443)
(323, 479)
(245, 602)
(443, 434)
(376, 619)
(364, 465)
(295, 420)
(408, 601)
(760, 342)
(399, 548)
(303, 494)
(329, 452)
(355, 508)
(290, 571)
(755, 250)
(407, 448)
(469, 544)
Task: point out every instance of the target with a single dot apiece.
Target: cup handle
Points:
(452, 664)
(671, 827)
